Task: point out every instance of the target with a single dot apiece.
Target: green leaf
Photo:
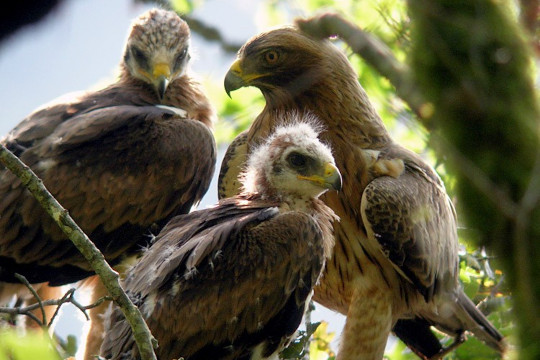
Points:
(31, 346)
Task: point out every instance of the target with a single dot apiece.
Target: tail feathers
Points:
(475, 322)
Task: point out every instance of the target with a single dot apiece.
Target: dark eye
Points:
(180, 58)
(140, 57)
(271, 57)
(297, 160)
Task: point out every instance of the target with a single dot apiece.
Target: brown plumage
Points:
(119, 163)
(395, 263)
(233, 281)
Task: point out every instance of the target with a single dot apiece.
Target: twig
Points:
(35, 294)
(67, 298)
(374, 52)
(109, 277)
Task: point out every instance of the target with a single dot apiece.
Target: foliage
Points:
(314, 343)
(14, 346)
(320, 347)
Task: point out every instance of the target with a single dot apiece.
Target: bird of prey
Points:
(122, 160)
(233, 281)
(395, 262)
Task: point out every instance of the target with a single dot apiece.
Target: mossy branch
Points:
(109, 277)
(473, 62)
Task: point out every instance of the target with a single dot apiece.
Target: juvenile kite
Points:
(396, 255)
(123, 160)
(233, 281)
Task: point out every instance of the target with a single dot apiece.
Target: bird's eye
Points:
(139, 56)
(180, 59)
(271, 57)
(297, 160)
(181, 56)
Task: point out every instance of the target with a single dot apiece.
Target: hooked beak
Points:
(235, 77)
(331, 179)
(161, 74)
(162, 85)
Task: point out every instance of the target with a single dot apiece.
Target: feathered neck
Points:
(185, 93)
(323, 215)
(330, 91)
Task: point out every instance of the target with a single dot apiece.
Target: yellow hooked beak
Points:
(235, 78)
(331, 179)
(161, 75)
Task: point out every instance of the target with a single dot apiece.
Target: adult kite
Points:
(122, 160)
(233, 281)
(395, 263)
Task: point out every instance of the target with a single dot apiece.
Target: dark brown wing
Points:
(239, 281)
(118, 170)
(413, 221)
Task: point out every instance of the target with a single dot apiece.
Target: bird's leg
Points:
(368, 325)
(460, 339)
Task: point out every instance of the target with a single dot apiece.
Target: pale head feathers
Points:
(158, 30)
(266, 170)
(158, 44)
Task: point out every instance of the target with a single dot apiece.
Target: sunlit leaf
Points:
(320, 349)
(14, 346)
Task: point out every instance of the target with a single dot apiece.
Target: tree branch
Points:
(210, 34)
(472, 60)
(109, 277)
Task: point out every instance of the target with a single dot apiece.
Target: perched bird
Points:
(233, 281)
(123, 160)
(395, 262)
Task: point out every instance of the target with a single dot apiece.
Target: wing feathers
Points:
(229, 251)
(110, 192)
(406, 216)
